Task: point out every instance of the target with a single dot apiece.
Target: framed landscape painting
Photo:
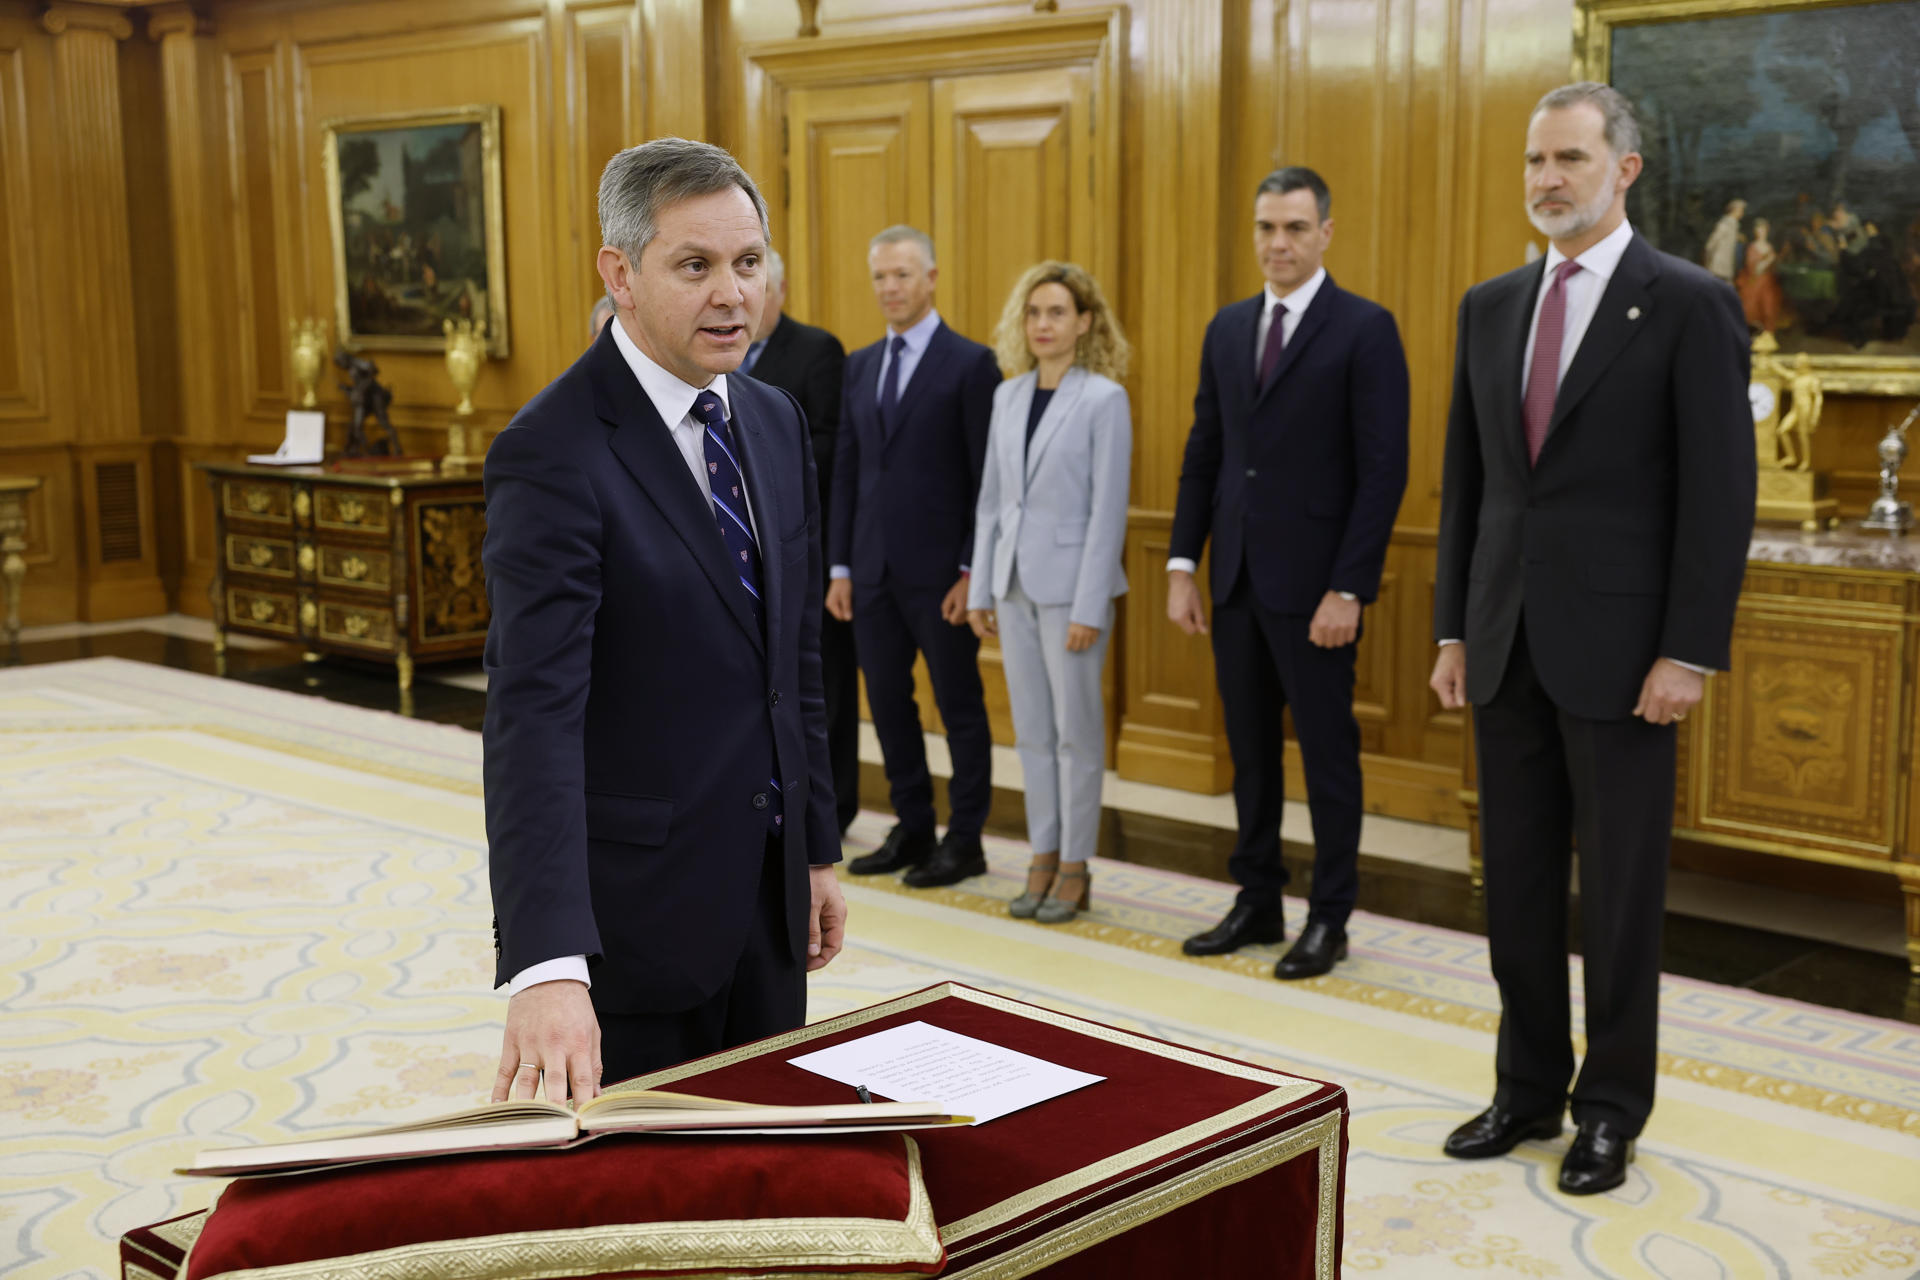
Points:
(414, 203)
(1782, 145)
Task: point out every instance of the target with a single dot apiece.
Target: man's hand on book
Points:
(552, 1036)
(826, 918)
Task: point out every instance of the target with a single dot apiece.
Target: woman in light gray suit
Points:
(1049, 531)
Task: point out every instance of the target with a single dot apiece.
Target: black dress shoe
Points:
(901, 848)
(1320, 945)
(957, 858)
(1598, 1159)
(1244, 925)
(1495, 1132)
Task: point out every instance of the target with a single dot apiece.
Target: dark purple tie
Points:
(1276, 343)
(890, 390)
(730, 513)
(1543, 375)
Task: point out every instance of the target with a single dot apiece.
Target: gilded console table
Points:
(385, 567)
(14, 492)
(1805, 749)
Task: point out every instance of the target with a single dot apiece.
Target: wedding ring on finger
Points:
(1678, 716)
(533, 1067)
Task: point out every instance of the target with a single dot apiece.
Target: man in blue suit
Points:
(1295, 466)
(912, 443)
(660, 811)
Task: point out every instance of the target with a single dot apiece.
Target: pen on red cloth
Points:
(862, 1091)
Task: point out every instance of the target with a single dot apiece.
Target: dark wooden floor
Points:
(1774, 963)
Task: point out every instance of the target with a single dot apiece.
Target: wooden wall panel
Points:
(21, 373)
(606, 115)
(258, 239)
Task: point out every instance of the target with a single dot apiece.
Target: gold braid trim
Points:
(182, 1232)
(750, 1244)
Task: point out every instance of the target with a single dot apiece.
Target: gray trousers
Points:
(1059, 721)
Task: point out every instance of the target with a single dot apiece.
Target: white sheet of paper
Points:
(306, 441)
(920, 1062)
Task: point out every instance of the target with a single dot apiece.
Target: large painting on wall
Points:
(414, 202)
(1782, 143)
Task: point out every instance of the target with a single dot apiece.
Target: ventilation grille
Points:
(118, 484)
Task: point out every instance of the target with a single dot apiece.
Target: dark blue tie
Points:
(890, 393)
(730, 514)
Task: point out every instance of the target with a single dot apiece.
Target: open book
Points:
(510, 1126)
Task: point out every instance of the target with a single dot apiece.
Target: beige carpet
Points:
(229, 913)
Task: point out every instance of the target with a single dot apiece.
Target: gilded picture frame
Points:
(1782, 146)
(418, 237)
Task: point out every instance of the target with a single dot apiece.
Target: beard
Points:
(1578, 219)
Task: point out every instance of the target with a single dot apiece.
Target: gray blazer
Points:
(1059, 508)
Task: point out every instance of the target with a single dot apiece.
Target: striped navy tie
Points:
(730, 513)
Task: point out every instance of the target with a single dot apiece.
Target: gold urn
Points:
(309, 357)
(466, 348)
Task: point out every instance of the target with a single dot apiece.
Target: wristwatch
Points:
(1348, 596)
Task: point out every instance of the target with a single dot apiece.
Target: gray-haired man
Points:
(659, 802)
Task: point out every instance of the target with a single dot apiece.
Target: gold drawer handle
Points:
(356, 624)
(258, 500)
(306, 557)
(351, 510)
(261, 610)
(260, 555)
(353, 568)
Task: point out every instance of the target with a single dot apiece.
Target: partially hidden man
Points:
(1294, 470)
(1595, 514)
(660, 812)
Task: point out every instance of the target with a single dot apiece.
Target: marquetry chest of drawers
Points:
(385, 567)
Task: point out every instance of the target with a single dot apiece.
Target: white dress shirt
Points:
(673, 401)
(1583, 290)
(918, 336)
(1291, 307)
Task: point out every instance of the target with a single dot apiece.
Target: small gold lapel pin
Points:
(1633, 313)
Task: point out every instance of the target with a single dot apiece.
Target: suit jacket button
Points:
(773, 698)
(1251, 473)
(760, 800)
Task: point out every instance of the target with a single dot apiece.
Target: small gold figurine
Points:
(309, 357)
(1798, 423)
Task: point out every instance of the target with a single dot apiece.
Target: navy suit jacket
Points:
(633, 705)
(1298, 483)
(1627, 541)
(903, 500)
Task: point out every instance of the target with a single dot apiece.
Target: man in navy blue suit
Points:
(912, 442)
(660, 810)
(1295, 467)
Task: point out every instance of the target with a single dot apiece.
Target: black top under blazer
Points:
(903, 501)
(1628, 541)
(634, 706)
(1298, 483)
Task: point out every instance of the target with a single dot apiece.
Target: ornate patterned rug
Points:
(228, 913)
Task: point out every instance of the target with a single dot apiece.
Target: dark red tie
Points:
(1276, 343)
(1543, 375)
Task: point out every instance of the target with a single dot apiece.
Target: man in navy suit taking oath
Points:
(907, 463)
(1295, 468)
(660, 809)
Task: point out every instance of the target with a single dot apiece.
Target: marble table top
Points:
(1844, 548)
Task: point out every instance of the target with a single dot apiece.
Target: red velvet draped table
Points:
(1178, 1163)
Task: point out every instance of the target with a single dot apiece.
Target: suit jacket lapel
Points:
(1310, 324)
(1052, 417)
(645, 447)
(919, 378)
(1616, 322)
(1511, 328)
(1013, 444)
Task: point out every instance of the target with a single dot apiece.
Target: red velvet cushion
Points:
(627, 1205)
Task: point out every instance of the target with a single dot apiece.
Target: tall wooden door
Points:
(1003, 168)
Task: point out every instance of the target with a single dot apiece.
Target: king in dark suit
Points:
(660, 815)
(907, 464)
(1295, 467)
(1595, 514)
(810, 363)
